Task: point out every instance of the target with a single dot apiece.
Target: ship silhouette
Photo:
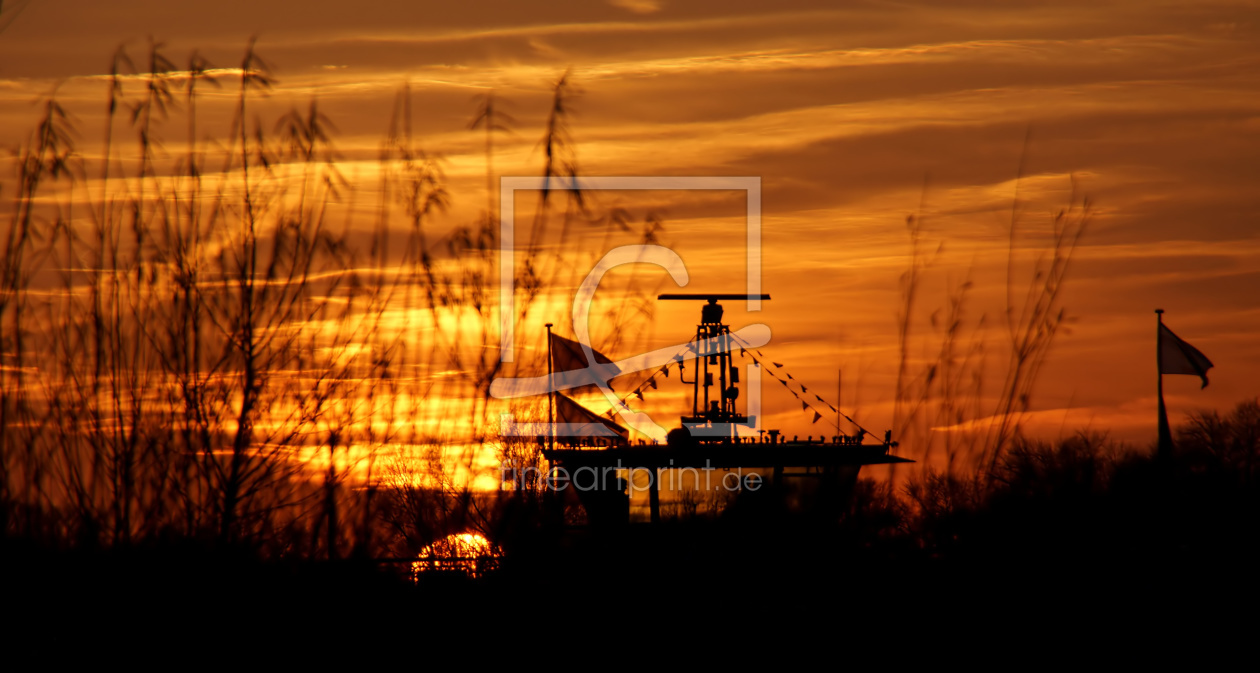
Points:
(714, 437)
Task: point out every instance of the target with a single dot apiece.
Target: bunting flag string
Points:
(805, 406)
(650, 382)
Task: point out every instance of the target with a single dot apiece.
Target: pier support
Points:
(654, 495)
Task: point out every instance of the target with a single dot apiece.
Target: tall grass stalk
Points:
(944, 396)
(194, 347)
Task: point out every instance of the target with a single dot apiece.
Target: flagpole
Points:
(551, 395)
(839, 405)
(1165, 433)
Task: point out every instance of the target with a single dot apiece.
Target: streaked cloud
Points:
(638, 6)
(854, 117)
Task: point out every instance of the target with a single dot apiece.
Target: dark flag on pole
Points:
(1175, 356)
(1178, 357)
(571, 370)
(584, 423)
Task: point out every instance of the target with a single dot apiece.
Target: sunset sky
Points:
(853, 115)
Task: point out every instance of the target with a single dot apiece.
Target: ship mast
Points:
(714, 415)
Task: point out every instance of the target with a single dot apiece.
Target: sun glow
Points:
(469, 553)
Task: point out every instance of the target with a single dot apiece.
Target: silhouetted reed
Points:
(201, 343)
(941, 399)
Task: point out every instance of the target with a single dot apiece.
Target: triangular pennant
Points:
(743, 353)
(590, 424)
(790, 376)
(804, 406)
(652, 382)
(817, 416)
(777, 365)
(638, 394)
(820, 399)
(783, 382)
(665, 370)
(832, 408)
(804, 389)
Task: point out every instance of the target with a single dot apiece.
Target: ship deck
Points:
(726, 455)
